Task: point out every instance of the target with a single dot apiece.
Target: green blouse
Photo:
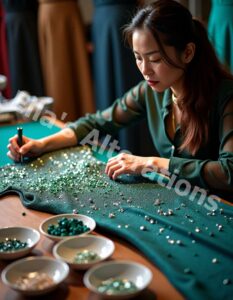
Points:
(211, 168)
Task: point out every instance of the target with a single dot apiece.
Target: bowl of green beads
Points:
(120, 279)
(83, 252)
(17, 242)
(64, 226)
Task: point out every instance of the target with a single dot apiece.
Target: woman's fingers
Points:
(117, 172)
(125, 163)
(13, 157)
(14, 142)
(113, 167)
(15, 151)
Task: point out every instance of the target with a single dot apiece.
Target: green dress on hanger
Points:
(220, 29)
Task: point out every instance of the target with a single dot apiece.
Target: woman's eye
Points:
(155, 60)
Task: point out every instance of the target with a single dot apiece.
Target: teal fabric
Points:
(204, 228)
(212, 166)
(35, 130)
(220, 29)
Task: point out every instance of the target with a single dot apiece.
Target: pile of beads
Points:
(114, 286)
(86, 256)
(10, 245)
(67, 227)
(34, 281)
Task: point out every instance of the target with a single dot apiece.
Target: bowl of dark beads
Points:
(64, 226)
(117, 279)
(17, 242)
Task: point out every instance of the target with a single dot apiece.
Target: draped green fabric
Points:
(189, 237)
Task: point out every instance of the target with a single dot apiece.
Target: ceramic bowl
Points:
(89, 222)
(23, 234)
(67, 249)
(137, 273)
(30, 267)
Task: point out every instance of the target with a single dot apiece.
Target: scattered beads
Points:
(115, 286)
(10, 245)
(74, 171)
(226, 281)
(111, 215)
(143, 228)
(171, 241)
(67, 227)
(214, 260)
(187, 271)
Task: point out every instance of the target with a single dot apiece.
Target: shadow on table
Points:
(59, 293)
(147, 294)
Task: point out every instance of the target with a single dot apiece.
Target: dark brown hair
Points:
(172, 24)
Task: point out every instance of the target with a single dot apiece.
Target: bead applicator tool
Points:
(20, 140)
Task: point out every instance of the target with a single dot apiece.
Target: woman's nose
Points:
(145, 68)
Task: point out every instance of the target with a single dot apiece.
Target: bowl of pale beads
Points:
(63, 226)
(35, 275)
(83, 252)
(117, 279)
(16, 242)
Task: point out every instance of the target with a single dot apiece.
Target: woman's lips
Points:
(152, 82)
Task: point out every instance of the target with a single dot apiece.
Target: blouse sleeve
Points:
(123, 112)
(215, 176)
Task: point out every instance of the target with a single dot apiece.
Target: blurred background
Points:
(73, 51)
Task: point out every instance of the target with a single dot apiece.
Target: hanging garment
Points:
(64, 57)
(4, 62)
(22, 39)
(220, 29)
(114, 67)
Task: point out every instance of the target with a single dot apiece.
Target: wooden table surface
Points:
(11, 214)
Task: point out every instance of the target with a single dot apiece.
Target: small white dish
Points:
(30, 267)
(23, 234)
(66, 250)
(88, 221)
(122, 269)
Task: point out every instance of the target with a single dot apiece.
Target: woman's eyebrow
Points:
(147, 53)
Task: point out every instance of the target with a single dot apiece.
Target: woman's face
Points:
(159, 74)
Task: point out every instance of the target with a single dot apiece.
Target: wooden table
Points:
(11, 214)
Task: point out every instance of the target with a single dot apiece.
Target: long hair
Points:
(172, 24)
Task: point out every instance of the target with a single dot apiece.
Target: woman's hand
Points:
(130, 164)
(30, 148)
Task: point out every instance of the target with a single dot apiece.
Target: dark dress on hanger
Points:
(114, 67)
(22, 40)
(4, 61)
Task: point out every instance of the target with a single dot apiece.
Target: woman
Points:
(186, 97)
